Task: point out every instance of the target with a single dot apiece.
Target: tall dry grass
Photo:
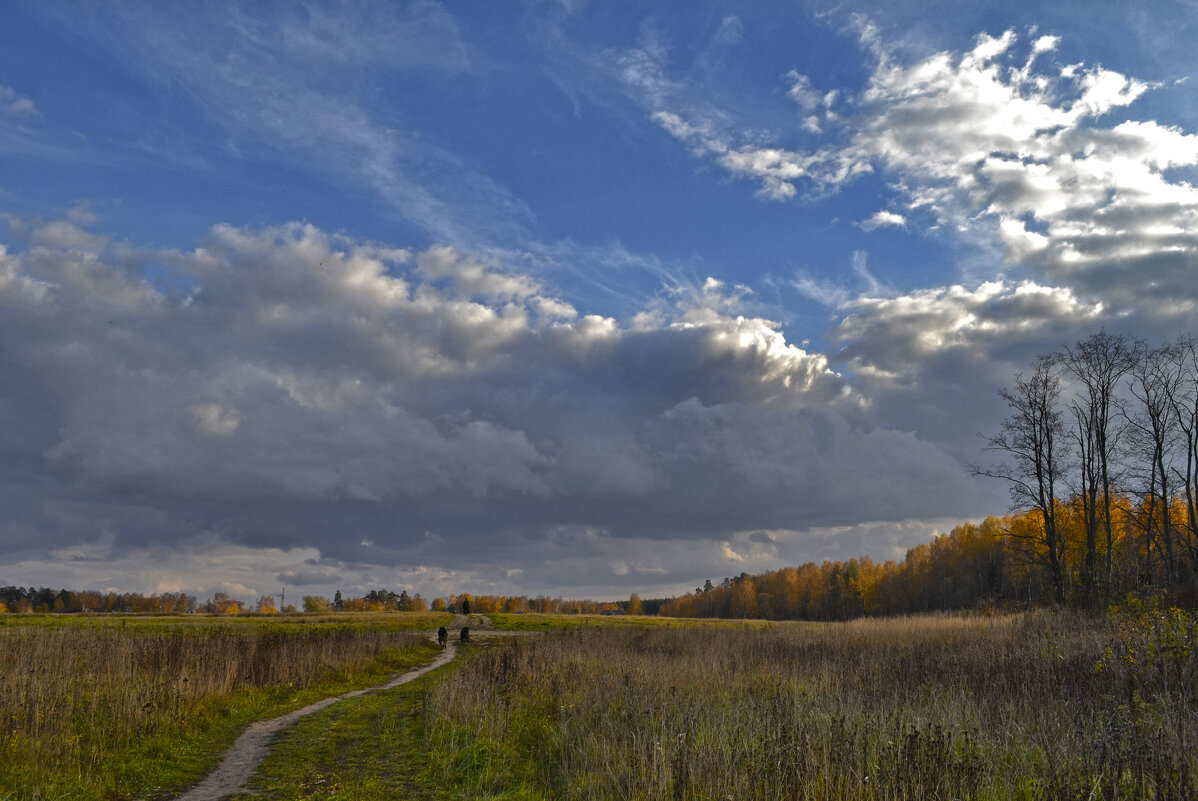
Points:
(109, 710)
(1035, 706)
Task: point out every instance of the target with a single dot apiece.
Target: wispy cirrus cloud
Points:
(14, 104)
(293, 84)
(310, 87)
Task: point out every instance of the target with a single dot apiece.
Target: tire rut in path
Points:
(251, 748)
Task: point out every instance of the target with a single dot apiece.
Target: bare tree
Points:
(1156, 381)
(1184, 405)
(1098, 363)
(1032, 441)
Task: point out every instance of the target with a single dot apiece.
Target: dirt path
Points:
(252, 747)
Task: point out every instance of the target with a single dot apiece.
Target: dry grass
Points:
(1035, 706)
(99, 709)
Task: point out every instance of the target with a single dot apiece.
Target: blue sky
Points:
(569, 297)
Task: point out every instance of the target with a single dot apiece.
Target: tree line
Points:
(44, 599)
(382, 600)
(22, 600)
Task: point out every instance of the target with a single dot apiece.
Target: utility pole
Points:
(282, 599)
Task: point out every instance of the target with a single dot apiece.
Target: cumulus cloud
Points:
(895, 335)
(882, 219)
(931, 360)
(1089, 210)
(981, 138)
(994, 138)
(288, 388)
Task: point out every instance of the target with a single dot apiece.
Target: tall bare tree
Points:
(1032, 440)
(1098, 363)
(1156, 382)
(1185, 412)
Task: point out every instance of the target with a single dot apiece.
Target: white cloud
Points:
(1086, 204)
(803, 92)
(827, 293)
(932, 360)
(882, 219)
(984, 140)
(892, 336)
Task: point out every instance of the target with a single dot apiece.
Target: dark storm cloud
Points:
(288, 389)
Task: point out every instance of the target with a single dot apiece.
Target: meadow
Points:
(104, 707)
(1039, 705)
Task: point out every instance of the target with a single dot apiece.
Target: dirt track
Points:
(252, 747)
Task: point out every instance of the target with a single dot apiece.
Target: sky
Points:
(566, 298)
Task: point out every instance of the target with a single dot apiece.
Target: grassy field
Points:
(102, 707)
(1040, 705)
(1007, 707)
(533, 621)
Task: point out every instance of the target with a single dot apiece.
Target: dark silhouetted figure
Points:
(464, 637)
(465, 606)
(442, 637)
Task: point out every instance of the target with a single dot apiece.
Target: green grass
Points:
(365, 749)
(97, 709)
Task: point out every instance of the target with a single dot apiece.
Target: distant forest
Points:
(34, 600)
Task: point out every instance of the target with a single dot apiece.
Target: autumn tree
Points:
(743, 597)
(634, 604)
(315, 603)
(218, 604)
